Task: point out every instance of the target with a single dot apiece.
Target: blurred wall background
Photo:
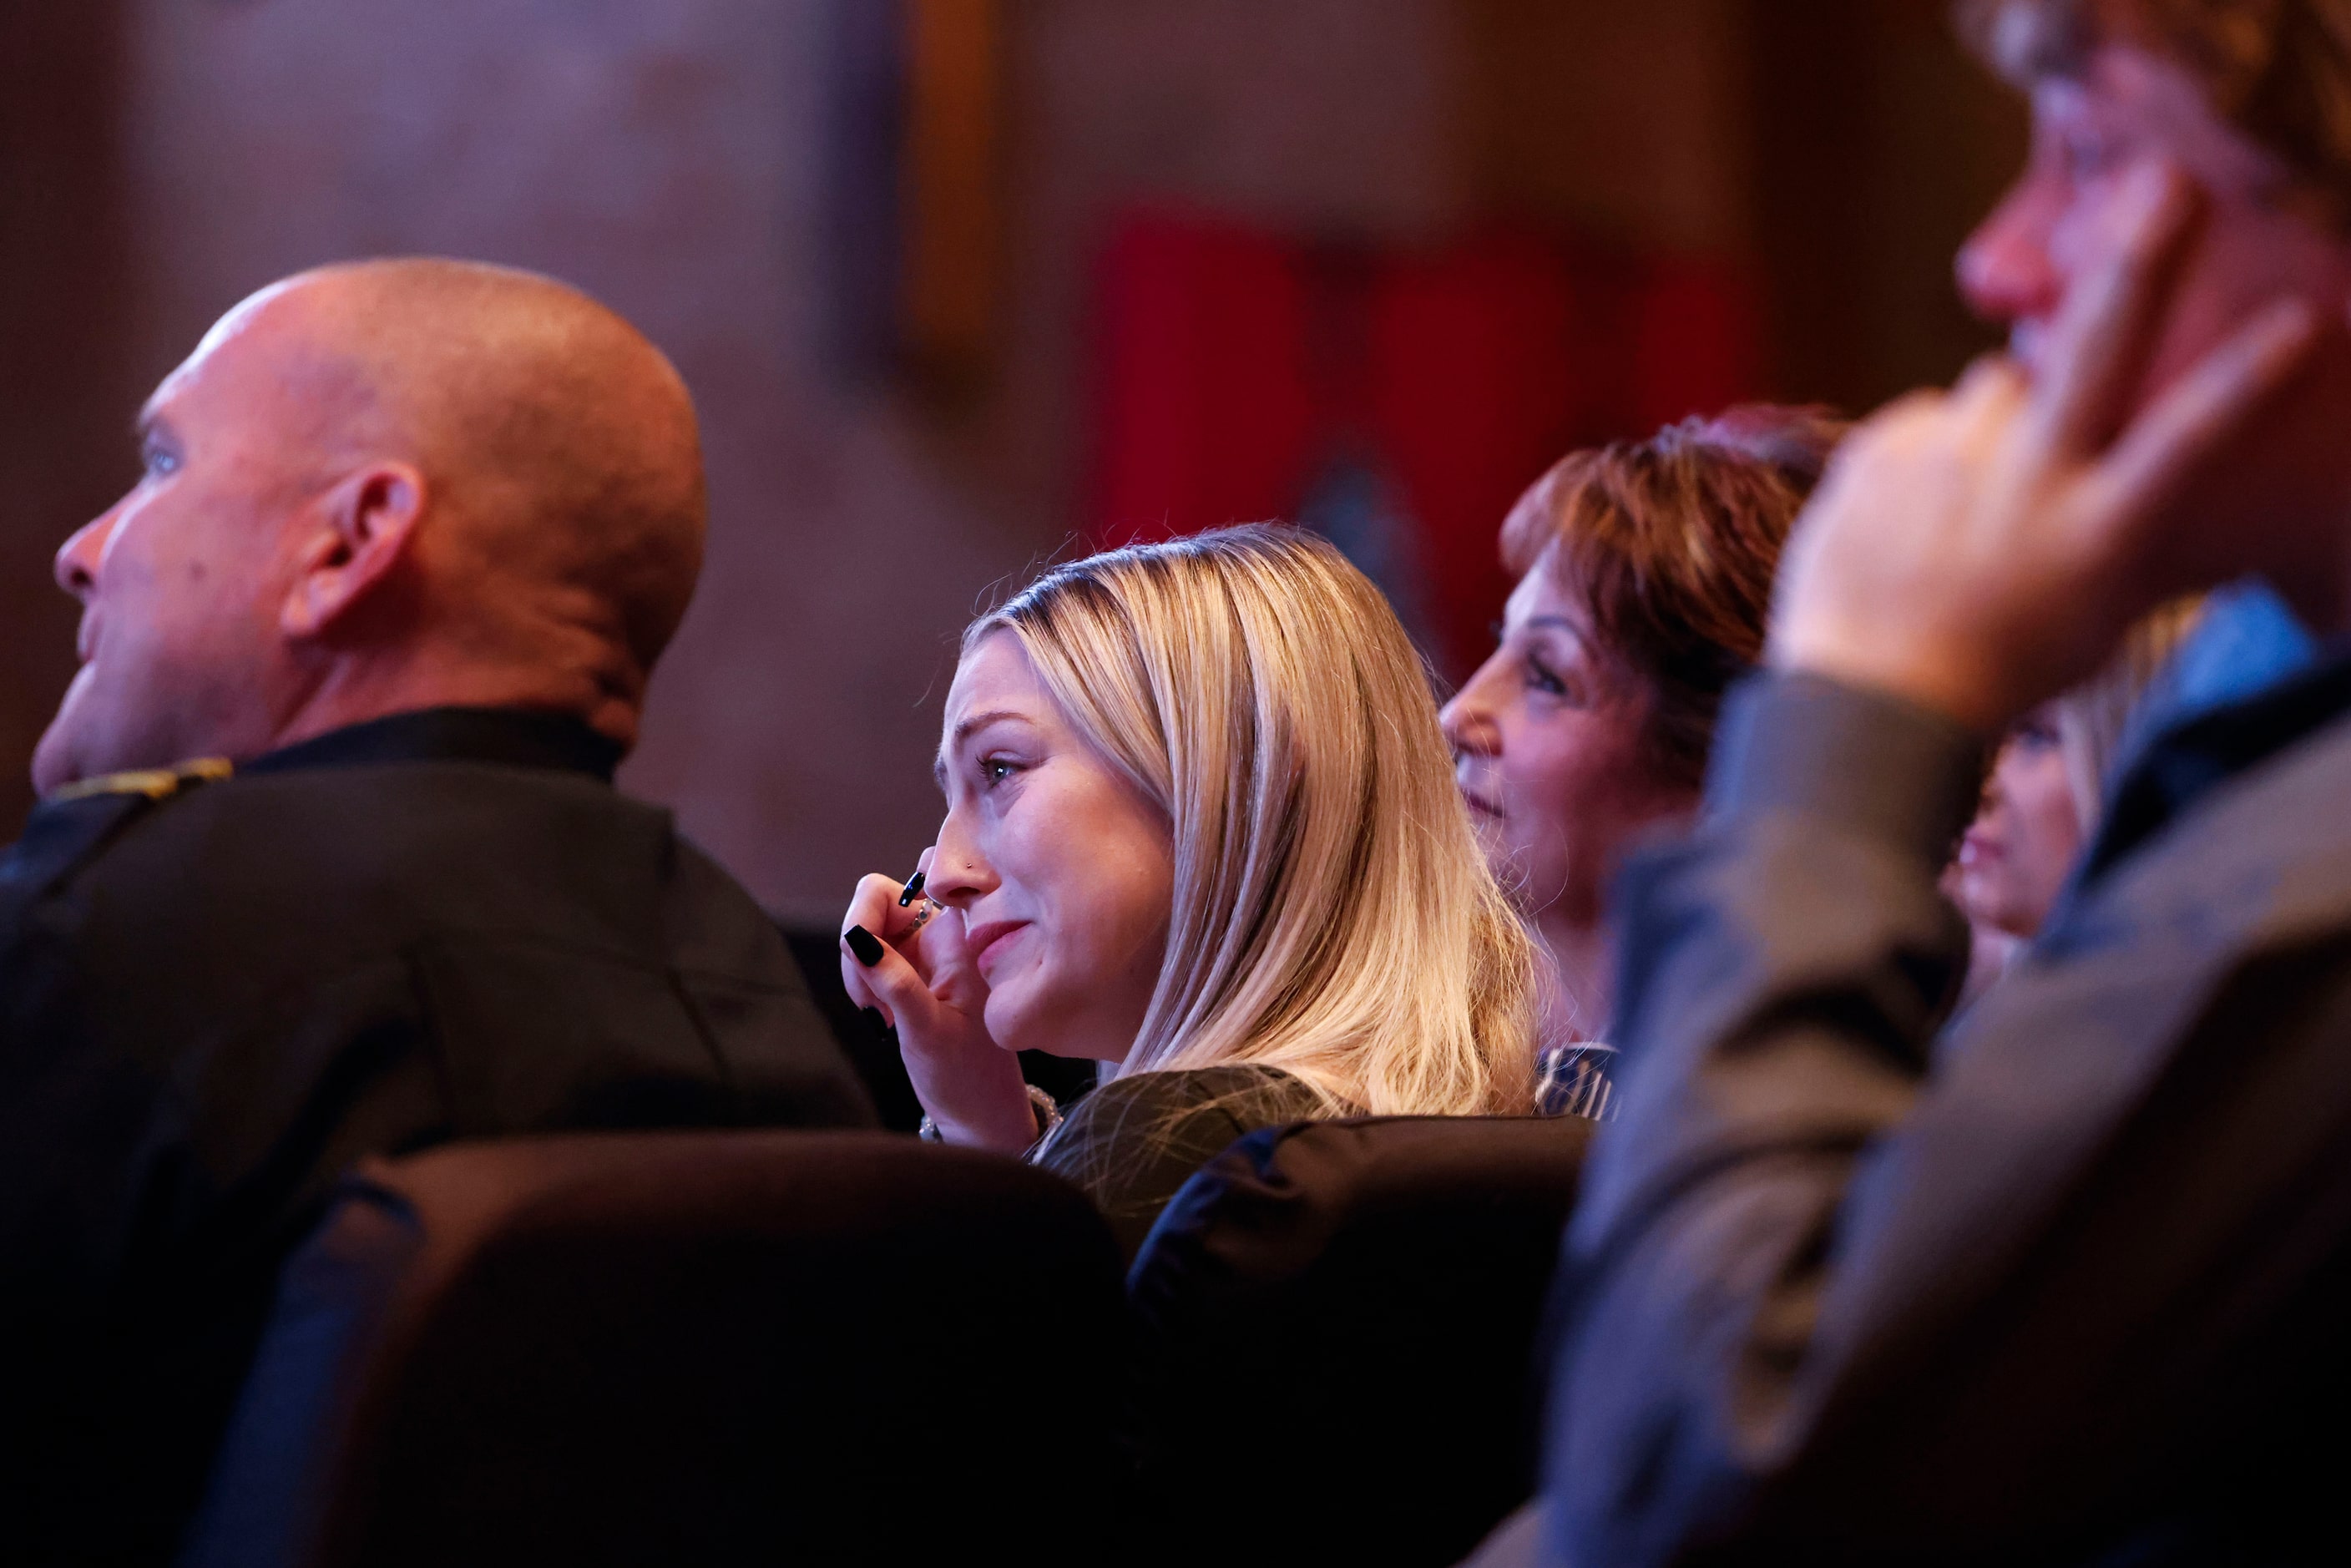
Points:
(871, 233)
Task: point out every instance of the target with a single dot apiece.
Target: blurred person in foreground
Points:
(2068, 1284)
(1201, 828)
(1645, 575)
(2044, 795)
(329, 862)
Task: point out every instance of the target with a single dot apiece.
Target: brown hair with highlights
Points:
(1671, 545)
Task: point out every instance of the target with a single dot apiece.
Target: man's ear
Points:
(360, 531)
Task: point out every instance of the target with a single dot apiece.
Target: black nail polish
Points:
(874, 1020)
(914, 891)
(865, 945)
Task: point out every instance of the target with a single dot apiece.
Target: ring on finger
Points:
(924, 910)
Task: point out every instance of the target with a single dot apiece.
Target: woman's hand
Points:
(1979, 551)
(923, 981)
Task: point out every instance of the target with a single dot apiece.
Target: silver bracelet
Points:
(1048, 1116)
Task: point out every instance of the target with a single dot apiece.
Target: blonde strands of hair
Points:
(1332, 916)
(2094, 718)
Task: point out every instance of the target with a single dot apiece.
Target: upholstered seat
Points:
(691, 1349)
(1335, 1323)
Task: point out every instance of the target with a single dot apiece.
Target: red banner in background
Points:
(1695, 344)
(1204, 396)
(1398, 401)
(1489, 361)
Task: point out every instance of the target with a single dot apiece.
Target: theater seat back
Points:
(1335, 1329)
(689, 1348)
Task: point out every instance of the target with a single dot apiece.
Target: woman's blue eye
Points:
(996, 769)
(1544, 680)
(161, 464)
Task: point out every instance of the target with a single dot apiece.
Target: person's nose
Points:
(1468, 722)
(2005, 270)
(76, 566)
(958, 873)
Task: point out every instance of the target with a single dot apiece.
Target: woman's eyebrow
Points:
(974, 723)
(1557, 623)
(971, 725)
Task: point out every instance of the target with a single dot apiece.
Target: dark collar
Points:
(2187, 760)
(510, 738)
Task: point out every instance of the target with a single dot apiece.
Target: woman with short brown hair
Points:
(1645, 574)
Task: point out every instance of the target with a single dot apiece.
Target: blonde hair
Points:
(2094, 719)
(1332, 916)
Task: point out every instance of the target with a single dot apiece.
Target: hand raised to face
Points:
(912, 962)
(1979, 551)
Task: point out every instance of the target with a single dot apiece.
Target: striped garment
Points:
(1576, 1080)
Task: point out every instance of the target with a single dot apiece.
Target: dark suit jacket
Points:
(214, 997)
(2069, 1283)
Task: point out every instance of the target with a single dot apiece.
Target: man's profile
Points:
(2064, 1282)
(329, 860)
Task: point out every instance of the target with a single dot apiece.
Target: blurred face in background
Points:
(1550, 753)
(2027, 833)
(1064, 873)
(2258, 234)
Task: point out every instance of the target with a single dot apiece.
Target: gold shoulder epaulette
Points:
(155, 783)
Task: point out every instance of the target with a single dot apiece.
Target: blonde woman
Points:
(1202, 829)
(2046, 791)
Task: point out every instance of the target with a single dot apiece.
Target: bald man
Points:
(329, 860)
